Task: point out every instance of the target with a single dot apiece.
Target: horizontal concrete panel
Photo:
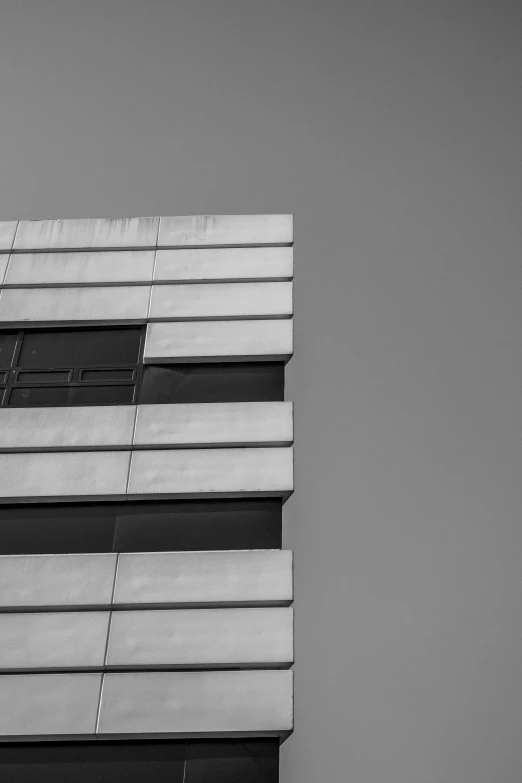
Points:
(47, 640)
(201, 637)
(86, 233)
(220, 263)
(48, 704)
(218, 340)
(124, 266)
(225, 230)
(56, 580)
(221, 300)
(7, 234)
(200, 471)
(63, 474)
(125, 303)
(196, 702)
(61, 428)
(213, 423)
(204, 577)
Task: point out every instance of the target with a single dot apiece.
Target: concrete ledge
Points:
(48, 704)
(219, 341)
(243, 423)
(113, 303)
(176, 578)
(76, 427)
(7, 234)
(64, 475)
(31, 581)
(196, 703)
(53, 640)
(213, 264)
(194, 472)
(227, 230)
(221, 300)
(201, 638)
(140, 232)
(86, 268)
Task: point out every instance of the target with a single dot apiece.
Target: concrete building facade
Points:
(146, 626)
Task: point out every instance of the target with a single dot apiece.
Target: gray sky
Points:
(392, 131)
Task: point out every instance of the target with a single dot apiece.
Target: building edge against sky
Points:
(145, 456)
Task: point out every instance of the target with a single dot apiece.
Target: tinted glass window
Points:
(219, 761)
(195, 761)
(58, 528)
(218, 382)
(7, 346)
(198, 525)
(71, 395)
(142, 526)
(59, 348)
(86, 762)
(54, 367)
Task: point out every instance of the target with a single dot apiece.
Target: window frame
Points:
(12, 371)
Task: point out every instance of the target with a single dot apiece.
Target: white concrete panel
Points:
(86, 233)
(221, 300)
(4, 259)
(200, 471)
(197, 702)
(48, 704)
(56, 580)
(18, 305)
(63, 474)
(105, 266)
(7, 234)
(225, 230)
(213, 423)
(74, 427)
(262, 576)
(218, 340)
(47, 640)
(201, 637)
(224, 263)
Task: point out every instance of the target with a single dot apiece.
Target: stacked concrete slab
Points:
(172, 644)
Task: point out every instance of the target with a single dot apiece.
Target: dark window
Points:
(192, 761)
(70, 366)
(186, 525)
(218, 382)
(140, 526)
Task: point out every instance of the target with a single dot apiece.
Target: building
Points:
(145, 456)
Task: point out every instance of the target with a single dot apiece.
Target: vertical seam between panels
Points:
(98, 714)
(130, 458)
(4, 278)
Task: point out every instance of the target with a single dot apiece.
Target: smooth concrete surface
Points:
(56, 580)
(4, 260)
(63, 474)
(200, 471)
(48, 704)
(221, 300)
(86, 233)
(225, 230)
(113, 303)
(98, 267)
(7, 234)
(219, 263)
(62, 428)
(214, 423)
(47, 640)
(196, 702)
(218, 340)
(201, 637)
(204, 577)
(262, 576)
